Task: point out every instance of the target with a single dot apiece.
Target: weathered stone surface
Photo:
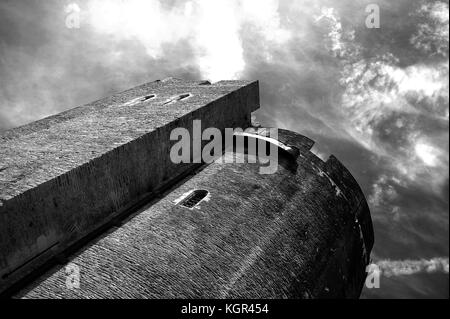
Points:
(64, 176)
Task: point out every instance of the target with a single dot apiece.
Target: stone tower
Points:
(94, 190)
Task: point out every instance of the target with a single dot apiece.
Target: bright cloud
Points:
(427, 153)
(211, 28)
(377, 91)
(433, 37)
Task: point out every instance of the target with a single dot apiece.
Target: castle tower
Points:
(95, 188)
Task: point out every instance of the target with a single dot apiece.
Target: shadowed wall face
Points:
(293, 234)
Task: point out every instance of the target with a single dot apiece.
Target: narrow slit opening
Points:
(194, 198)
(147, 97)
(178, 98)
(183, 96)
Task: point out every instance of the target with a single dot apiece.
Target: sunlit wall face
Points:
(376, 98)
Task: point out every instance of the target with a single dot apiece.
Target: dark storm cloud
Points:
(376, 98)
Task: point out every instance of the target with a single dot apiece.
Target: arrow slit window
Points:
(194, 198)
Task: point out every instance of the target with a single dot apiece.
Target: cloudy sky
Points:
(377, 98)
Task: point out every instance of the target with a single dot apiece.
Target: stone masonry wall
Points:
(64, 176)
